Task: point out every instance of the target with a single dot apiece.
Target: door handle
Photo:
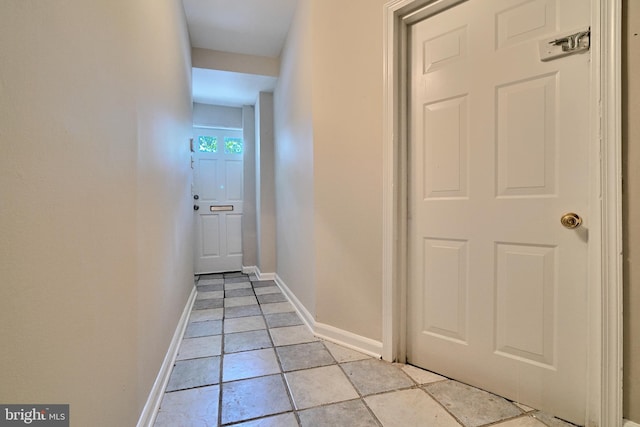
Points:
(571, 220)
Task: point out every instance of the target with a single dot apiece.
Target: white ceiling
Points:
(250, 27)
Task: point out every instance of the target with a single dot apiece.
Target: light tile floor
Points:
(247, 360)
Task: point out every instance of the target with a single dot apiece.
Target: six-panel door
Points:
(497, 154)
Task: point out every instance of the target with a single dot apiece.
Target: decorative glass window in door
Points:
(232, 145)
(208, 144)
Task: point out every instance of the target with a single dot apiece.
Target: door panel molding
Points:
(604, 405)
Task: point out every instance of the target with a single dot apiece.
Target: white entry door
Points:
(218, 195)
(498, 153)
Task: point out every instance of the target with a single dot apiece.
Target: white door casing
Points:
(218, 198)
(602, 147)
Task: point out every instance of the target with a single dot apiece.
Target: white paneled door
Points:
(497, 155)
(218, 196)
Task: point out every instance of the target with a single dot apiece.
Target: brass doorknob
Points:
(571, 220)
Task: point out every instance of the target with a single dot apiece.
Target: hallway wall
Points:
(217, 116)
(294, 164)
(328, 163)
(347, 113)
(95, 212)
(264, 183)
(249, 220)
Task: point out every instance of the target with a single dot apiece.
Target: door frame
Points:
(604, 394)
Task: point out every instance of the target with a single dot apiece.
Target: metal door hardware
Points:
(575, 41)
(221, 208)
(196, 207)
(571, 220)
(565, 44)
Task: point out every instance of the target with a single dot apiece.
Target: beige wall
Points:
(631, 206)
(249, 220)
(235, 62)
(294, 164)
(328, 163)
(217, 116)
(347, 112)
(265, 181)
(95, 253)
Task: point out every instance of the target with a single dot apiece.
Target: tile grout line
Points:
(222, 353)
(424, 387)
(218, 421)
(283, 377)
(280, 373)
(459, 421)
(361, 396)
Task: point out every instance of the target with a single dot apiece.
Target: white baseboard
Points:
(266, 276)
(627, 423)
(348, 339)
(304, 314)
(252, 269)
(330, 333)
(150, 410)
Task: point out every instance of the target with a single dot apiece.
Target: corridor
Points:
(247, 360)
